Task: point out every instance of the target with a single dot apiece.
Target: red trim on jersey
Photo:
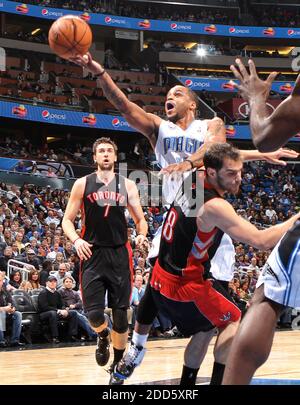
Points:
(83, 228)
(130, 256)
(192, 288)
(80, 280)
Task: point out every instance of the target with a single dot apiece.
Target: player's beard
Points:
(106, 166)
(229, 188)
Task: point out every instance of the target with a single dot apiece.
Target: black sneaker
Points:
(130, 361)
(102, 351)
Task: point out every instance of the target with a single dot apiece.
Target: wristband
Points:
(100, 74)
(192, 164)
(76, 240)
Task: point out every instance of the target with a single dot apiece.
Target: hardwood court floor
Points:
(161, 365)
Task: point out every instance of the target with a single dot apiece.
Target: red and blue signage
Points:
(151, 25)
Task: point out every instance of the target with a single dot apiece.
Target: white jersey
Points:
(280, 276)
(173, 145)
(223, 261)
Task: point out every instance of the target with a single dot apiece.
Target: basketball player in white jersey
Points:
(278, 286)
(179, 138)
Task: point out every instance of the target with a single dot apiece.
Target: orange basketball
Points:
(69, 36)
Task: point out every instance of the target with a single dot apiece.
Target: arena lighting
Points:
(34, 32)
(201, 51)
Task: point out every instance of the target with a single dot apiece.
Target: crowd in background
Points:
(30, 232)
(264, 15)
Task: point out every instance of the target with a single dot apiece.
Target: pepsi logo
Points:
(188, 82)
(45, 114)
(231, 30)
(45, 11)
(107, 20)
(173, 26)
(291, 32)
(115, 122)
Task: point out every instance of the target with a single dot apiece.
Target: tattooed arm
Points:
(142, 121)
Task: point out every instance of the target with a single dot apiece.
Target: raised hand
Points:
(251, 85)
(86, 61)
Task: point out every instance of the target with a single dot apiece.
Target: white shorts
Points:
(281, 273)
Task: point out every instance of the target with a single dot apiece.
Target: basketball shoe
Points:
(130, 361)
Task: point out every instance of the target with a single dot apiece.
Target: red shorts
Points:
(192, 304)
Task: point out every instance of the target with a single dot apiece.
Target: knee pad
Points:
(120, 322)
(96, 317)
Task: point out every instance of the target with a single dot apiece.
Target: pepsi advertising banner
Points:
(151, 25)
(225, 85)
(86, 120)
(63, 117)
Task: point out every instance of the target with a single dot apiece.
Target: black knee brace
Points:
(96, 317)
(120, 323)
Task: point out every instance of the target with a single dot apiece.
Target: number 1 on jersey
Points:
(106, 210)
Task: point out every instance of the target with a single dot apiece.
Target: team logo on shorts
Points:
(20, 111)
(144, 24)
(268, 270)
(225, 317)
(22, 8)
(89, 119)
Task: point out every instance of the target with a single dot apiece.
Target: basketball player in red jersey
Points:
(103, 246)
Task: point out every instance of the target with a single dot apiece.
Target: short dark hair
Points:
(104, 140)
(216, 153)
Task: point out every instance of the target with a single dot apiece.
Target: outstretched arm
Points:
(270, 157)
(269, 132)
(220, 213)
(139, 119)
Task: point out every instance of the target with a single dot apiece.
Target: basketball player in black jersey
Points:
(279, 281)
(181, 285)
(103, 246)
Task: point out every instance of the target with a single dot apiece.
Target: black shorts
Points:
(192, 303)
(109, 269)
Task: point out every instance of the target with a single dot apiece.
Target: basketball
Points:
(69, 36)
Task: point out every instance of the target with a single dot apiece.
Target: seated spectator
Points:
(52, 309)
(72, 301)
(33, 282)
(8, 314)
(15, 279)
(47, 267)
(61, 274)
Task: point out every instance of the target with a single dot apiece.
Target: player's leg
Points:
(253, 341)
(193, 356)
(221, 351)
(146, 313)
(93, 295)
